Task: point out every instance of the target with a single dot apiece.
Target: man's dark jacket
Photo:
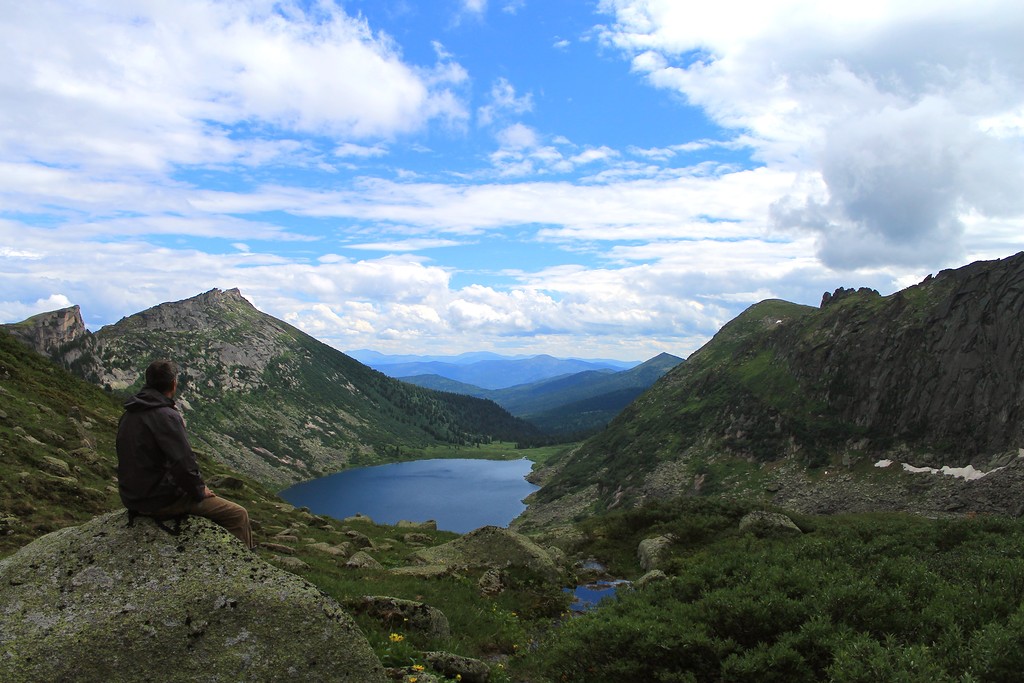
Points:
(155, 463)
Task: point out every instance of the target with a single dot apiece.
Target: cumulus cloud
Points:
(908, 113)
(148, 85)
(503, 102)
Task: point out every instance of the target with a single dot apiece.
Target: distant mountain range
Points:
(483, 369)
(568, 406)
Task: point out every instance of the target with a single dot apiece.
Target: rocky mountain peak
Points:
(196, 313)
(47, 333)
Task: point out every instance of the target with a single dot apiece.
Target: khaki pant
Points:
(231, 516)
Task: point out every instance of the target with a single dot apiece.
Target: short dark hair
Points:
(161, 375)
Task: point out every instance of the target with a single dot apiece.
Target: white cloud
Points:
(147, 85)
(350, 149)
(517, 136)
(404, 245)
(908, 112)
(15, 311)
(503, 102)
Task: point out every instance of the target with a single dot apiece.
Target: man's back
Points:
(155, 464)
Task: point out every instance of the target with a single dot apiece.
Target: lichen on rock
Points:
(108, 602)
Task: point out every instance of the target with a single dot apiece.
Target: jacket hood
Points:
(147, 399)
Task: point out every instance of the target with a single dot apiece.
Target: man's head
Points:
(162, 375)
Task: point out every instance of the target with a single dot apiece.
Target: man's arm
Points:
(169, 431)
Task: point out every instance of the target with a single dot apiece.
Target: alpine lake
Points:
(459, 494)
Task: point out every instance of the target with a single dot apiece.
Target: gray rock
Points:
(55, 466)
(492, 582)
(428, 571)
(428, 525)
(762, 523)
(363, 560)
(107, 602)
(327, 548)
(396, 613)
(358, 539)
(469, 670)
(650, 577)
(651, 551)
(491, 546)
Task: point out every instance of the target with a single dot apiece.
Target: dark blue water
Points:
(461, 495)
(587, 596)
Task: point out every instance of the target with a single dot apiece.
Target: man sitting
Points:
(157, 472)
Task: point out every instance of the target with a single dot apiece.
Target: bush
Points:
(863, 598)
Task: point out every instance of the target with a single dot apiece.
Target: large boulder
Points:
(491, 547)
(108, 602)
(396, 614)
(652, 551)
(763, 523)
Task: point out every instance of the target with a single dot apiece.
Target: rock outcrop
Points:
(764, 524)
(930, 376)
(53, 333)
(491, 547)
(108, 602)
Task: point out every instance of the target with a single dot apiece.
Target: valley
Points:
(742, 494)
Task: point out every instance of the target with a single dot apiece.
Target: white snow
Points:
(968, 473)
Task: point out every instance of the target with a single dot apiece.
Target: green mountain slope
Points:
(787, 396)
(271, 401)
(56, 446)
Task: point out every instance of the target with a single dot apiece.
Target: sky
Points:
(592, 179)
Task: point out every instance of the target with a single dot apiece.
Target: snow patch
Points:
(968, 473)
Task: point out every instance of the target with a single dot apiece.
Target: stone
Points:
(55, 466)
(397, 614)
(358, 517)
(107, 602)
(328, 549)
(492, 582)
(363, 560)
(651, 551)
(358, 539)
(428, 525)
(416, 538)
(650, 577)
(466, 669)
(491, 547)
(763, 524)
(427, 571)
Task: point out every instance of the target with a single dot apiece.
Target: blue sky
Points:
(613, 178)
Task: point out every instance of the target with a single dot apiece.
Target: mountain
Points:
(495, 373)
(568, 405)
(264, 397)
(797, 405)
(376, 359)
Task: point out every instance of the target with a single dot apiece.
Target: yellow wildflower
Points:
(396, 637)
(418, 667)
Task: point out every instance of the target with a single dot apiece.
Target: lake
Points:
(460, 494)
